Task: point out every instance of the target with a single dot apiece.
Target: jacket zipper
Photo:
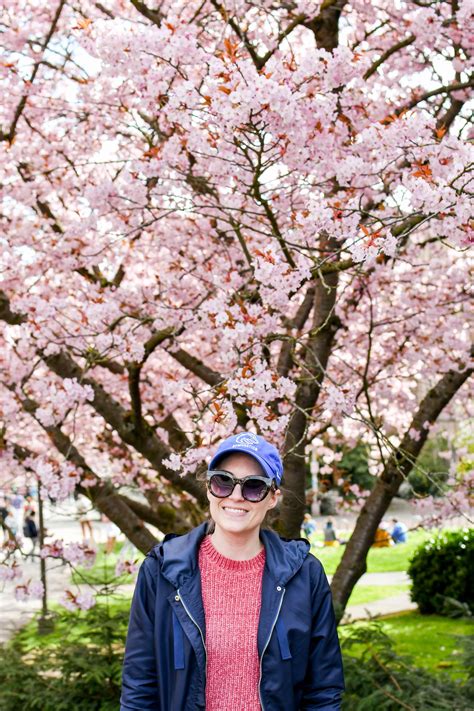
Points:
(265, 649)
(200, 630)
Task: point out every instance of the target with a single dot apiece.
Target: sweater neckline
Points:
(211, 554)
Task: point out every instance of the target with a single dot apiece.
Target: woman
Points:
(230, 617)
(83, 510)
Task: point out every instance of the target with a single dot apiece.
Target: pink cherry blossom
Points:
(83, 600)
(206, 230)
(128, 567)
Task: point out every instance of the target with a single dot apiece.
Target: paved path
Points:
(395, 578)
(377, 608)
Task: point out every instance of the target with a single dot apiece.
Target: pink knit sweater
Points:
(231, 593)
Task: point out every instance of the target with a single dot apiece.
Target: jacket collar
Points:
(179, 555)
(283, 557)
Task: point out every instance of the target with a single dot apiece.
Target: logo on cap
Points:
(247, 439)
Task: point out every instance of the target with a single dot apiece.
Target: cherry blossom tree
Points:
(226, 215)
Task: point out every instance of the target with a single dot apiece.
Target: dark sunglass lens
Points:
(254, 490)
(221, 485)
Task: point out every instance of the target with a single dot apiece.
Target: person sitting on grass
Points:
(382, 537)
(330, 538)
(309, 526)
(399, 532)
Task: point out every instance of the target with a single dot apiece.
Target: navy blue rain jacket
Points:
(165, 657)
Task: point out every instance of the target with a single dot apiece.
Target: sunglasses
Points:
(254, 488)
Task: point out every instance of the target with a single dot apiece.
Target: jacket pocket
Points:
(178, 643)
(283, 639)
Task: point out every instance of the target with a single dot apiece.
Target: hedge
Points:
(442, 572)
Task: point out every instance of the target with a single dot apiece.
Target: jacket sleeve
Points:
(139, 675)
(324, 681)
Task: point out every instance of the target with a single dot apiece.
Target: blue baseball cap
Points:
(255, 446)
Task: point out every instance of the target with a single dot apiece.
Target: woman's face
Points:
(234, 514)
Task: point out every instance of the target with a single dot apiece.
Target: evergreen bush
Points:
(441, 568)
(379, 679)
(76, 668)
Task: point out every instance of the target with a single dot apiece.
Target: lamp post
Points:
(314, 469)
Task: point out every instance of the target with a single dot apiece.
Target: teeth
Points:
(228, 508)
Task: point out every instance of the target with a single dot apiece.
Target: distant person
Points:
(330, 538)
(382, 537)
(32, 490)
(309, 526)
(30, 531)
(83, 509)
(3, 510)
(3, 518)
(399, 532)
(10, 527)
(111, 533)
(29, 504)
(17, 501)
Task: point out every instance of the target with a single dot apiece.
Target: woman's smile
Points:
(235, 511)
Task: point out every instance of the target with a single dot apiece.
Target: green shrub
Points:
(76, 668)
(354, 467)
(442, 568)
(379, 679)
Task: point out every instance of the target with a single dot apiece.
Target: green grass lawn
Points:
(429, 639)
(369, 593)
(379, 560)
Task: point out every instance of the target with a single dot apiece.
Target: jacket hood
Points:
(178, 555)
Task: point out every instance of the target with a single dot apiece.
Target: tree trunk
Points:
(112, 505)
(354, 561)
(318, 348)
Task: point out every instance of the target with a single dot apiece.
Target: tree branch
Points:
(398, 466)
(102, 494)
(7, 315)
(165, 517)
(448, 89)
(317, 350)
(447, 119)
(134, 372)
(154, 16)
(196, 366)
(19, 109)
(388, 53)
(239, 32)
(157, 339)
(146, 441)
(285, 359)
(325, 26)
